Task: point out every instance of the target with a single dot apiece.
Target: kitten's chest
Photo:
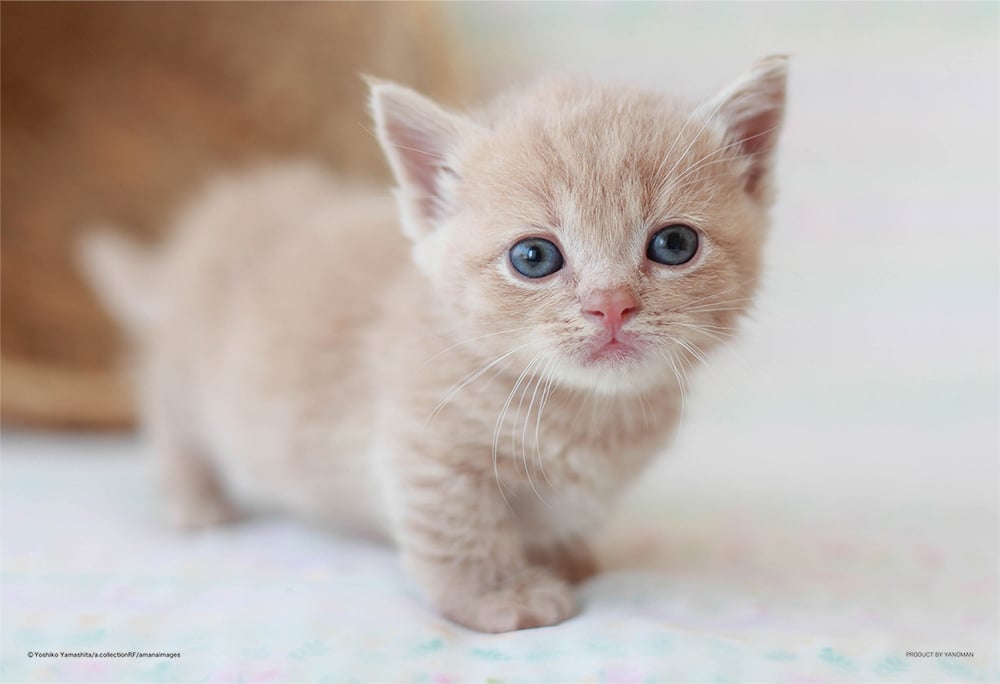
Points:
(588, 442)
(562, 481)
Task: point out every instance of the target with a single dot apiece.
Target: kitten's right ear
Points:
(418, 138)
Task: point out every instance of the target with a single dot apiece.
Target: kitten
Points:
(482, 388)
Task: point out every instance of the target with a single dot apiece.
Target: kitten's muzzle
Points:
(610, 308)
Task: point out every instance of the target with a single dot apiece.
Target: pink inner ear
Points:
(422, 164)
(759, 132)
(757, 135)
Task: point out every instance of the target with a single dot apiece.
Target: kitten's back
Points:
(265, 269)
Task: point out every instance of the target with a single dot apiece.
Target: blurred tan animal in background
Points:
(117, 111)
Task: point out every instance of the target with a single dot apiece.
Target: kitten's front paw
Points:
(531, 599)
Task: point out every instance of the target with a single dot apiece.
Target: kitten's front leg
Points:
(460, 543)
(572, 560)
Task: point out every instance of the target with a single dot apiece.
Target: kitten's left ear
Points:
(418, 138)
(752, 109)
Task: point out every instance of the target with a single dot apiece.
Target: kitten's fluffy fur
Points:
(298, 352)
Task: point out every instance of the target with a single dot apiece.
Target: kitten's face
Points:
(603, 236)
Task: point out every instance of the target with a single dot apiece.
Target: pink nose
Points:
(610, 308)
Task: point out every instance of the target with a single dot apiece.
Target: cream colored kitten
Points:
(482, 385)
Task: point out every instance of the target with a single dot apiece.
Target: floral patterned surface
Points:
(697, 587)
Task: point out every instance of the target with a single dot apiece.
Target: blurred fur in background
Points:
(114, 112)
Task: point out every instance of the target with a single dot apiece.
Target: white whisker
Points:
(693, 349)
(476, 339)
(532, 376)
(700, 163)
(720, 293)
(681, 378)
(469, 379)
(499, 426)
(524, 433)
(538, 420)
(714, 309)
(694, 139)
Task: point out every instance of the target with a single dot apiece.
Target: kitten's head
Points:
(602, 234)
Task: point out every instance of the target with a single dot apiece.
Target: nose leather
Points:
(611, 308)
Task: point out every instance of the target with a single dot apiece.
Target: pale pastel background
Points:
(832, 501)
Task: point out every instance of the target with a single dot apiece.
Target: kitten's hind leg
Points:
(194, 496)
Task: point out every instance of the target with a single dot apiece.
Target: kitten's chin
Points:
(613, 368)
(609, 379)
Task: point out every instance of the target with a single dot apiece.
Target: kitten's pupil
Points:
(535, 258)
(673, 245)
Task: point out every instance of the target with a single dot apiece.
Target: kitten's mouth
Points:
(621, 348)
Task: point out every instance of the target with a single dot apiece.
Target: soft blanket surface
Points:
(699, 586)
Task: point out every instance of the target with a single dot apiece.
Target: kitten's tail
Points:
(123, 275)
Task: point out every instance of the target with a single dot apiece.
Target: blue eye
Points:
(673, 245)
(535, 258)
